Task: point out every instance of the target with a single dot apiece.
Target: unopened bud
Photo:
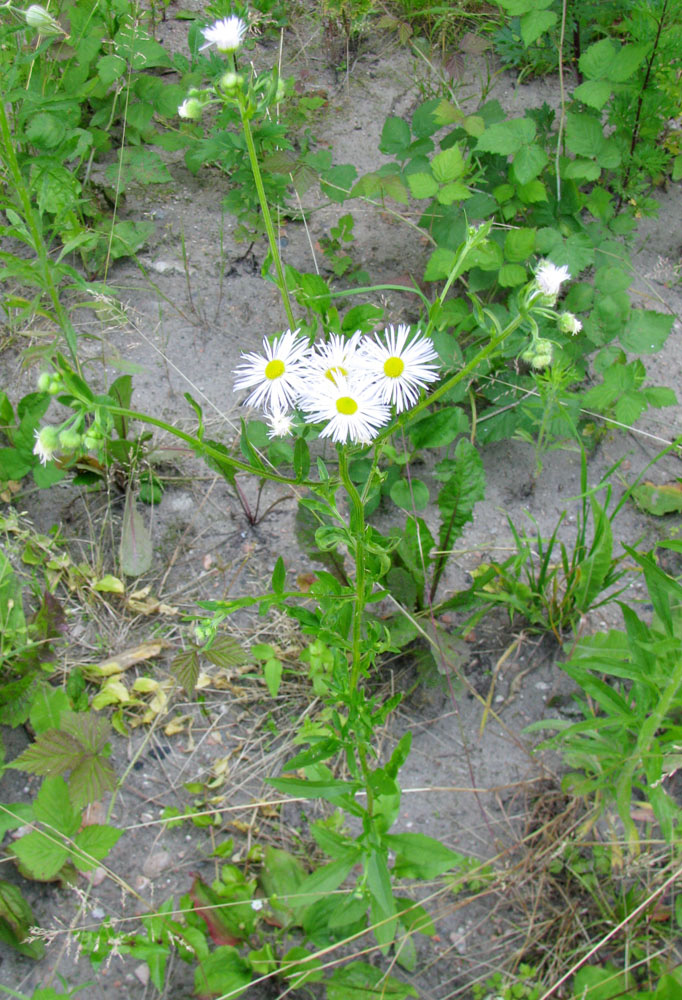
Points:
(43, 22)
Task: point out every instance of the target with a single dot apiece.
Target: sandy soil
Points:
(477, 791)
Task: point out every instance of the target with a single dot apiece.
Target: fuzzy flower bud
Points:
(568, 323)
(191, 108)
(43, 22)
(70, 439)
(46, 443)
(230, 83)
(539, 354)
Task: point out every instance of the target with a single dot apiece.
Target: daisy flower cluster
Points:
(352, 385)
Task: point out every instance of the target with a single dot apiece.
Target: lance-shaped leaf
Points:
(136, 542)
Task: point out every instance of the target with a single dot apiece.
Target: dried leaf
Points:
(136, 542)
(128, 658)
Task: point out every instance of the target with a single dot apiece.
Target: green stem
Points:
(267, 218)
(197, 445)
(10, 158)
(357, 526)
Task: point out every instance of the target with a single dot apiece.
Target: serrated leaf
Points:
(93, 844)
(358, 981)
(52, 807)
(646, 331)
(40, 854)
(535, 23)
(422, 185)
(448, 165)
(53, 753)
(507, 137)
(595, 93)
(440, 264)
(225, 652)
(459, 494)
(185, 666)
(529, 162)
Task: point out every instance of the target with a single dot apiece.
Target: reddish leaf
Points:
(211, 908)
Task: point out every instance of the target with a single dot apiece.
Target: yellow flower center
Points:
(274, 369)
(331, 373)
(394, 367)
(346, 406)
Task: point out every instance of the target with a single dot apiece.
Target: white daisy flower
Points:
(397, 369)
(227, 35)
(46, 443)
(276, 376)
(338, 357)
(549, 278)
(351, 410)
(280, 424)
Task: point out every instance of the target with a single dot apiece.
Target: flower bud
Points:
(46, 443)
(44, 382)
(70, 439)
(539, 354)
(43, 22)
(191, 108)
(231, 83)
(568, 323)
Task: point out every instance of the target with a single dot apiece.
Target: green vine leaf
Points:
(185, 666)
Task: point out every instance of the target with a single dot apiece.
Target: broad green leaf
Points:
(412, 495)
(223, 973)
(596, 61)
(280, 879)
(337, 182)
(455, 191)
(529, 162)
(440, 264)
(110, 68)
(535, 23)
(325, 880)
(422, 185)
(519, 245)
(594, 93)
(395, 137)
(359, 981)
(48, 705)
(42, 855)
(225, 652)
(511, 275)
(140, 165)
(438, 429)
(93, 844)
(582, 170)
(53, 807)
(627, 61)
(646, 331)
(507, 137)
(448, 165)
(45, 130)
(420, 856)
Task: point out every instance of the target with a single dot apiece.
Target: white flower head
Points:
(351, 410)
(256, 904)
(397, 369)
(280, 424)
(549, 278)
(276, 375)
(337, 357)
(46, 443)
(227, 35)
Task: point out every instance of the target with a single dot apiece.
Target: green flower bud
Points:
(46, 443)
(568, 323)
(191, 108)
(43, 22)
(230, 82)
(44, 382)
(70, 439)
